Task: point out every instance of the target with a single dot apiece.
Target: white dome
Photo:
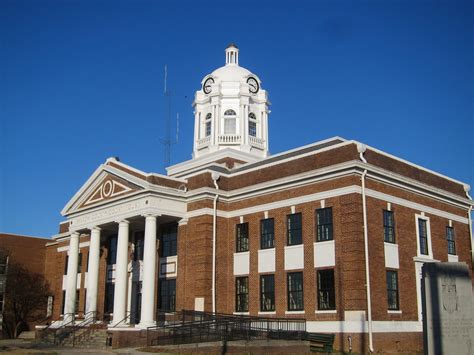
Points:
(231, 73)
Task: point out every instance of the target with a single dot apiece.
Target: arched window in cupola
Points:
(252, 125)
(229, 121)
(208, 124)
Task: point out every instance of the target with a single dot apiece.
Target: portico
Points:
(126, 228)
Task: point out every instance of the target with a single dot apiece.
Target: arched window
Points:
(229, 121)
(252, 125)
(208, 124)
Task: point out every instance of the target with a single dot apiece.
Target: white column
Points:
(197, 129)
(120, 293)
(93, 272)
(147, 317)
(71, 280)
(214, 119)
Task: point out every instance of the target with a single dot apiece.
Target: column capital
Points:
(94, 228)
(122, 221)
(183, 222)
(75, 234)
(154, 215)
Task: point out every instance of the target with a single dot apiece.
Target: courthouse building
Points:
(335, 232)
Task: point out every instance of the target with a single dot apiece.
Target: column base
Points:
(146, 324)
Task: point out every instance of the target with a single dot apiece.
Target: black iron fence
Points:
(193, 326)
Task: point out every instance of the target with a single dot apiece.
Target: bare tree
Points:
(26, 297)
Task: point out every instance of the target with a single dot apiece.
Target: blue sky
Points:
(81, 81)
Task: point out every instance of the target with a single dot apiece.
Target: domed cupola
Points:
(231, 110)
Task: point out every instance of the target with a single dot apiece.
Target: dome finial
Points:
(232, 55)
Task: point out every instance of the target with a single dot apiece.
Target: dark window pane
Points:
(66, 261)
(295, 291)
(63, 305)
(388, 227)
(451, 241)
(423, 234)
(169, 242)
(139, 245)
(79, 263)
(112, 256)
(392, 290)
(109, 297)
(242, 294)
(267, 233)
(326, 290)
(294, 229)
(324, 224)
(167, 300)
(267, 293)
(252, 128)
(242, 237)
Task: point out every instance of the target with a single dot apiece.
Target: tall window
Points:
(63, 304)
(326, 290)
(324, 224)
(294, 229)
(267, 293)
(112, 255)
(242, 237)
(423, 235)
(76, 305)
(66, 261)
(450, 239)
(267, 233)
(208, 124)
(79, 263)
(168, 294)
(295, 291)
(139, 246)
(392, 290)
(388, 227)
(242, 294)
(229, 122)
(169, 243)
(252, 125)
(109, 297)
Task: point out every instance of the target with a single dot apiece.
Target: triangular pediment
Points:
(108, 188)
(105, 185)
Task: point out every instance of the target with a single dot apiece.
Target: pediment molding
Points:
(109, 188)
(106, 184)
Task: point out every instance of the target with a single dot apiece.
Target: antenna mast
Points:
(167, 140)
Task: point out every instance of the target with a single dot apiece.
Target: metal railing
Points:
(67, 329)
(192, 326)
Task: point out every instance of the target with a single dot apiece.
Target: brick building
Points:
(334, 232)
(27, 251)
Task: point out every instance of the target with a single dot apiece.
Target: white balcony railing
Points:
(229, 139)
(203, 142)
(257, 142)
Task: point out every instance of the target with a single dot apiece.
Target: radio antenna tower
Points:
(166, 141)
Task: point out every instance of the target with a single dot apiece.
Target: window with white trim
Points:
(229, 122)
(388, 227)
(392, 290)
(450, 240)
(242, 294)
(208, 124)
(252, 125)
(423, 236)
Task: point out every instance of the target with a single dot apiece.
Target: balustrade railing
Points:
(204, 141)
(229, 138)
(258, 142)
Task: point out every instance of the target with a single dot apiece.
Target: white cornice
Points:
(325, 195)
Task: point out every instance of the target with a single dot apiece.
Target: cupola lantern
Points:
(231, 111)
